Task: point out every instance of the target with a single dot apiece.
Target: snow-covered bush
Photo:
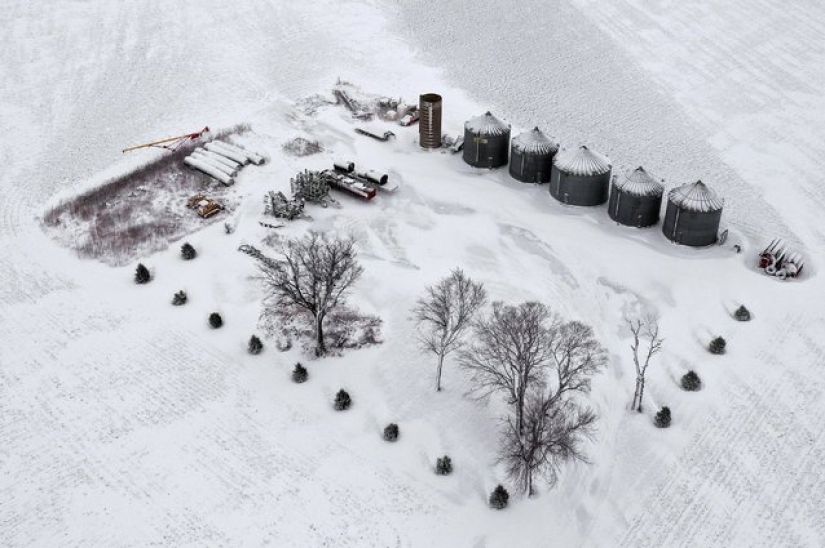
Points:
(255, 345)
(662, 419)
(188, 252)
(742, 314)
(142, 275)
(300, 373)
(499, 497)
(717, 346)
(691, 381)
(342, 400)
(180, 298)
(443, 465)
(391, 432)
(215, 320)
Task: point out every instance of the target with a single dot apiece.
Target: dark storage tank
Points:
(429, 123)
(636, 200)
(693, 214)
(531, 156)
(486, 141)
(580, 177)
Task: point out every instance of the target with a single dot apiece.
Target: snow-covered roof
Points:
(535, 142)
(486, 124)
(639, 182)
(582, 161)
(695, 197)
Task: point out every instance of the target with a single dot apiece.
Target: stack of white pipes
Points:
(222, 161)
(216, 161)
(198, 163)
(256, 159)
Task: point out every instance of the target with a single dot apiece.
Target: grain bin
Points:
(486, 141)
(580, 177)
(531, 156)
(429, 123)
(636, 200)
(692, 215)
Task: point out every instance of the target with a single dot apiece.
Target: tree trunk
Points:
(438, 373)
(641, 392)
(320, 348)
(529, 481)
(635, 405)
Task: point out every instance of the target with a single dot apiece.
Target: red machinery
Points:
(777, 261)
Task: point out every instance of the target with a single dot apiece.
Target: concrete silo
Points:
(531, 156)
(580, 177)
(486, 141)
(636, 200)
(429, 124)
(693, 214)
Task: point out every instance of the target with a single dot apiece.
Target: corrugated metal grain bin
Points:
(693, 214)
(429, 124)
(531, 156)
(486, 141)
(580, 177)
(636, 200)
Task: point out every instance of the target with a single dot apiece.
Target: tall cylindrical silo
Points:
(531, 156)
(486, 141)
(429, 123)
(636, 200)
(580, 177)
(693, 214)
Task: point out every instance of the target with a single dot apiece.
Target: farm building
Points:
(429, 125)
(531, 156)
(636, 200)
(580, 177)
(486, 141)
(693, 214)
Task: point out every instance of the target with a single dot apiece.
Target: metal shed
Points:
(636, 200)
(693, 214)
(429, 125)
(531, 156)
(580, 177)
(486, 141)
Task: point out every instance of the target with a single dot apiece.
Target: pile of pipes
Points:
(777, 261)
(221, 160)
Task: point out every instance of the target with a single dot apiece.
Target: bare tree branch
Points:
(643, 330)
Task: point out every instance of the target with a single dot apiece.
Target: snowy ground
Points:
(127, 422)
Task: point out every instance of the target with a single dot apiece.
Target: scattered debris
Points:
(777, 261)
(313, 187)
(385, 137)
(268, 225)
(410, 118)
(205, 207)
(458, 144)
(302, 147)
(358, 110)
(278, 205)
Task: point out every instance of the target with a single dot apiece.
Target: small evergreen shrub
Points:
(499, 497)
(662, 419)
(180, 298)
(188, 252)
(742, 314)
(342, 400)
(142, 275)
(717, 346)
(391, 432)
(255, 345)
(691, 382)
(215, 320)
(300, 373)
(443, 466)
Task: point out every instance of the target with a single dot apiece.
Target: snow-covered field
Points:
(127, 422)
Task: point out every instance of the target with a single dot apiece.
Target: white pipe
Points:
(209, 170)
(222, 159)
(256, 159)
(217, 165)
(770, 270)
(213, 147)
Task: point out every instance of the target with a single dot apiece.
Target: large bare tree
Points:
(509, 349)
(552, 434)
(445, 313)
(314, 274)
(648, 343)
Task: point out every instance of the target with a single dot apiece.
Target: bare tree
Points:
(511, 347)
(577, 355)
(314, 274)
(552, 434)
(444, 314)
(644, 330)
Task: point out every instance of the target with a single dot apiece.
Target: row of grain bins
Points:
(582, 177)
